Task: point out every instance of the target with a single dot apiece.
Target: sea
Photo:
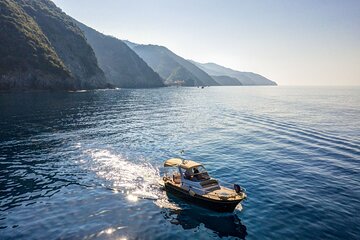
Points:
(87, 164)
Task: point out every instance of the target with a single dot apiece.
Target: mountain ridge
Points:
(68, 41)
(42, 48)
(121, 65)
(47, 51)
(245, 78)
(171, 67)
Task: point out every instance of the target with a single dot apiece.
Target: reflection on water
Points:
(106, 234)
(86, 165)
(223, 226)
(193, 217)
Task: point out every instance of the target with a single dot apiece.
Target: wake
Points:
(134, 180)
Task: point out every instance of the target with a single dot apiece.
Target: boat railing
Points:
(222, 183)
(209, 193)
(230, 185)
(212, 193)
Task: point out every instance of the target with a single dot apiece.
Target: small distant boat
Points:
(192, 182)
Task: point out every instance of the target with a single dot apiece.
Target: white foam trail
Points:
(122, 175)
(135, 180)
(239, 207)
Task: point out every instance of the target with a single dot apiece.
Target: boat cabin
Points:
(192, 176)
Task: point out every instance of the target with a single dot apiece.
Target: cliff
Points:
(68, 41)
(42, 48)
(173, 68)
(27, 59)
(121, 65)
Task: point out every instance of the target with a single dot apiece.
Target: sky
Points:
(303, 42)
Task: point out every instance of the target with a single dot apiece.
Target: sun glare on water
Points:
(132, 198)
(122, 176)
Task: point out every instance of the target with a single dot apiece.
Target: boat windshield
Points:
(199, 169)
(197, 173)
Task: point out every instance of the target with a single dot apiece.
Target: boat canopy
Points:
(186, 164)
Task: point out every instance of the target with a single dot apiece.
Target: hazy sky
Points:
(304, 42)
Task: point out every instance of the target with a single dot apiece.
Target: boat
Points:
(191, 182)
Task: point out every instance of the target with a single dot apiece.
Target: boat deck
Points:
(220, 194)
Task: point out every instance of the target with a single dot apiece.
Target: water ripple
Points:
(86, 165)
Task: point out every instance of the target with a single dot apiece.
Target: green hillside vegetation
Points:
(68, 41)
(121, 65)
(171, 67)
(27, 57)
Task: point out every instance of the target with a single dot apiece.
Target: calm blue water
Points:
(85, 165)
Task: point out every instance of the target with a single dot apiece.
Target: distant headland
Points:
(42, 48)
